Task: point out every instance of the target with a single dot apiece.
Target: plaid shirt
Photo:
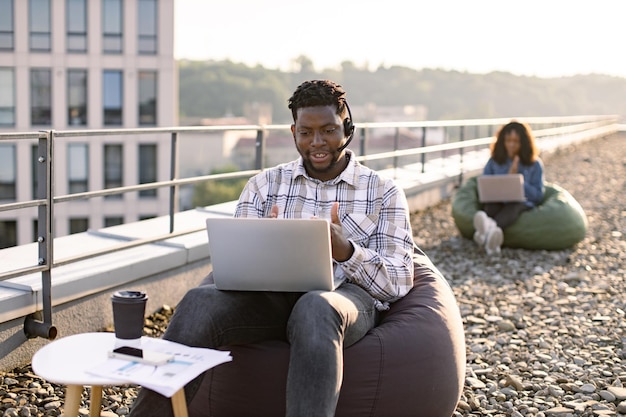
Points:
(373, 212)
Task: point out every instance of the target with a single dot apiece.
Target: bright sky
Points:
(546, 38)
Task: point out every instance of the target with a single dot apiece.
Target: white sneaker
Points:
(493, 241)
(479, 238)
(482, 224)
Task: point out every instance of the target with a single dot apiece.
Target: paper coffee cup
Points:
(129, 309)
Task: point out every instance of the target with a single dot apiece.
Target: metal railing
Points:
(454, 133)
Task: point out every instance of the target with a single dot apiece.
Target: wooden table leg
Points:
(72, 400)
(96, 401)
(179, 404)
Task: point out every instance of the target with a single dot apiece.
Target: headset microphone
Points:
(348, 129)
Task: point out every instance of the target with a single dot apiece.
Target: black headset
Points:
(348, 128)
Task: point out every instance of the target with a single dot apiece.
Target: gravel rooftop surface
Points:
(545, 330)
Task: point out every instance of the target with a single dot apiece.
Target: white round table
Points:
(65, 361)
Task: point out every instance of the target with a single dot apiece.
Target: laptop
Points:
(263, 254)
(505, 188)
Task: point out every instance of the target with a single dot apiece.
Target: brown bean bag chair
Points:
(411, 364)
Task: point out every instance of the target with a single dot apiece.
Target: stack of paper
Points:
(167, 379)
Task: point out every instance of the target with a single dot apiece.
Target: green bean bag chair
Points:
(559, 222)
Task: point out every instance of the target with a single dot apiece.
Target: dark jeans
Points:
(505, 214)
(317, 324)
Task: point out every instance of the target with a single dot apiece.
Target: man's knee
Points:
(312, 316)
(313, 303)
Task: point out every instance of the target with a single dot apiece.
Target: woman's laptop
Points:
(505, 188)
(263, 254)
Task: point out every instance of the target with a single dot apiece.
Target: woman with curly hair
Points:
(513, 152)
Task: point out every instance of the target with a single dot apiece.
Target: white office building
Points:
(84, 65)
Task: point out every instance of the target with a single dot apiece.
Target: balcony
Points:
(61, 285)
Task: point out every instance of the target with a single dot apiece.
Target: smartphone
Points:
(139, 355)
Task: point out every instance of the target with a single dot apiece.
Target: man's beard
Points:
(334, 162)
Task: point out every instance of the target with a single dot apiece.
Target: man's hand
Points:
(274, 212)
(514, 166)
(341, 247)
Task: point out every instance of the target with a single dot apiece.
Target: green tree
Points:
(219, 88)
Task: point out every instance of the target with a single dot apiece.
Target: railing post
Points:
(396, 139)
(260, 149)
(173, 176)
(445, 140)
(423, 157)
(363, 143)
(33, 327)
(461, 139)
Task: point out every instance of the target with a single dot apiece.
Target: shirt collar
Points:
(348, 175)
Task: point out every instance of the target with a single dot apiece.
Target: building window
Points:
(77, 97)
(113, 168)
(40, 96)
(6, 25)
(34, 156)
(147, 168)
(147, 97)
(78, 167)
(113, 221)
(112, 94)
(39, 21)
(79, 225)
(35, 230)
(147, 27)
(7, 97)
(76, 25)
(8, 233)
(112, 24)
(7, 172)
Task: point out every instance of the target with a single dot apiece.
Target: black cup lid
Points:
(129, 295)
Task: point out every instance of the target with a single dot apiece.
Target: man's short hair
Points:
(318, 93)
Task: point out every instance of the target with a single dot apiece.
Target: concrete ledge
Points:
(93, 312)
(22, 295)
(81, 290)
